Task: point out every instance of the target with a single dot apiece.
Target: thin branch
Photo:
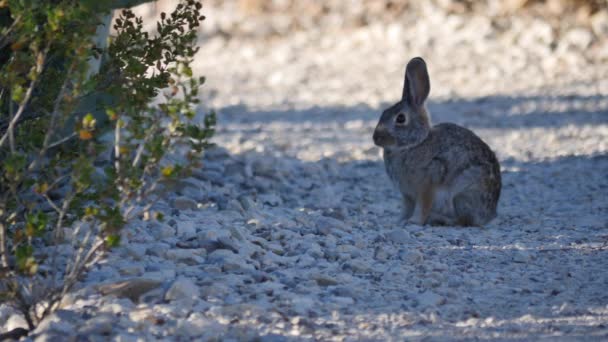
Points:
(62, 141)
(4, 39)
(11, 133)
(28, 94)
(3, 247)
(52, 204)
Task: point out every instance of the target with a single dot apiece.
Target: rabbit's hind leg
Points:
(407, 209)
(442, 213)
(471, 209)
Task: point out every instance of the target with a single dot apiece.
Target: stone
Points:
(161, 230)
(184, 203)
(100, 324)
(357, 266)
(324, 280)
(182, 288)
(228, 260)
(15, 321)
(132, 269)
(136, 250)
(398, 236)
(577, 37)
(411, 256)
(329, 225)
(186, 230)
(160, 275)
(270, 199)
(132, 288)
(187, 256)
(599, 23)
(429, 299)
(157, 249)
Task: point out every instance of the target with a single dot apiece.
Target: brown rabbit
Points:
(446, 174)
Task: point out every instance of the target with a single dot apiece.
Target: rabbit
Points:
(446, 174)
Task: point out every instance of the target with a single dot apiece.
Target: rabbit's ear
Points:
(417, 84)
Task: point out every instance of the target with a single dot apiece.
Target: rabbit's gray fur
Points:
(446, 174)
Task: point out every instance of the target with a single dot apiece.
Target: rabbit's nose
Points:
(379, 135)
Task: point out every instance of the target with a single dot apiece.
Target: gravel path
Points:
(290, 230)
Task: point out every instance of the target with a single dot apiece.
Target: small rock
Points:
(358, 266)
(324, 280)
(399, 236)
(182, 288)
(216, 153)
(578, 37)
(132, 288)
(15, 321)
(136, 250)
(264, 167)
(161, 231)
(184, 203)
(158, 249)
(160, 275)
(521, 257)
(411, 256)
(61, 321)
(186, 230)
(343, 301)
(228, 260)
(246, 202)
(129, 268)
(329, 225)
(429, 299)
(100, 324)
(599, 23)
(187, 256)
(271, 199)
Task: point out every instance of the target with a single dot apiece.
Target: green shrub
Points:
(81, 152)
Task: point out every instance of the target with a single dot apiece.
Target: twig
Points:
(59, 142)
(3, 251)
(4, 39)
(52, 204)
(28, 94)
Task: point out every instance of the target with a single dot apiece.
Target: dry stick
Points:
(62, 213)
(3, 251)
(28, 94)
(23, 306)
(3, 237)
(11, 133)
(61, 141)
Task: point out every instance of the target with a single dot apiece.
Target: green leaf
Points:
(112, 240)
(36, 223)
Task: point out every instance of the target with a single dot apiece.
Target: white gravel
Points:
(290, 231)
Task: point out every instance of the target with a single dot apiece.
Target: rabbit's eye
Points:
(400, 118)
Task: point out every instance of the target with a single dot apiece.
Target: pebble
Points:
(187, 256)
(182, 288)
(398, 236)
(132, 288)
(184, 203)
(186, 230)
(228, 260)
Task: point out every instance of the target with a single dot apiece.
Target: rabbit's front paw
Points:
(417, 220)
